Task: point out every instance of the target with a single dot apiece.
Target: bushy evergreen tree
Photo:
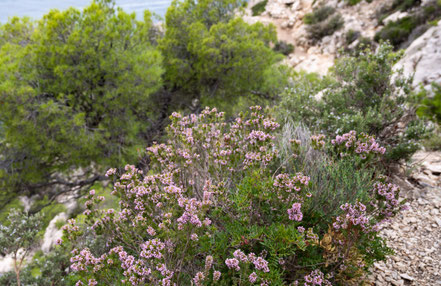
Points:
(211, 53)
(74, 87)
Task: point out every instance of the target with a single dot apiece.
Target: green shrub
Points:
(397, 32)
(43, 269)
(353, 2)
(18, 237)
(332, 182)
(363, 44)
(325, 28)
(4, 212)
(75, 86)
(364, 94)
(402, 32)
(60, 223)
(259, 8)
(430, 104)
(284, 48)
(318, 15)
(396, 5)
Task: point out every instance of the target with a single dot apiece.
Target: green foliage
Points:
(362, 94)
(60, 223)
(433, 142)
(332, 182)
(20, 231)
(397, 32)
(18, 236)
(318, 15)
(44, 269)
(402, 32)
(210, 53)
(298, 102)
(363, 44)
(283, 48)
(259, 8)
(353, 2)
(430, 106)
(404, 5)
(74, 87)
(396, 5)
(323, 21)
(48, 211)
(4, 212)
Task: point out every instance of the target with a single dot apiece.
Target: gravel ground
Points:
(415, 235)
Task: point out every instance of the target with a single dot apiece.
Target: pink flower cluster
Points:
(386, 199)
(361, 144)
(295, 213)
(245, 139)
(316, 277)
(135, 271)
(240, 257)
(232, 263)
(253, 277)
(318, 141)
(152, 249)
(354, 215)
(200, 276)
(70, 228)
(110, 172)
(287, 183)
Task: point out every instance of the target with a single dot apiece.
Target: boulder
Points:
(422, 58)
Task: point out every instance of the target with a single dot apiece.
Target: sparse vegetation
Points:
(400, 33)
(323, 21)
(318, 15)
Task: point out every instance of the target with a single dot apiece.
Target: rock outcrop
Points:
(422, 58)
(287, 16)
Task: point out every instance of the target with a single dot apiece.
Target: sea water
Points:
(37, 8)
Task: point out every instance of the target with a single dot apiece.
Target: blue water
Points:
(37, 8)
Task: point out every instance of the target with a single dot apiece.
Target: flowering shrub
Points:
(215, 209)
(363, 145)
